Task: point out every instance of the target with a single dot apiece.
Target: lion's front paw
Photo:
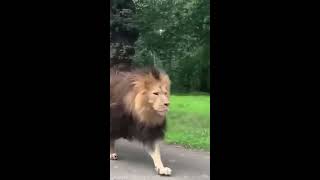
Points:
(164, 171)
(113, 156)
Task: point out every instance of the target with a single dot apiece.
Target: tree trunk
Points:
(123, 32)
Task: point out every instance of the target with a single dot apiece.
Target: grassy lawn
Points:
(189, 121)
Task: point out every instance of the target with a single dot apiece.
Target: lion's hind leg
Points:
(113, 154)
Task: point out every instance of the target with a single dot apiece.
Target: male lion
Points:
(139, 101)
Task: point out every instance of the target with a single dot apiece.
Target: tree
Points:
(123, 32)
(175, 35)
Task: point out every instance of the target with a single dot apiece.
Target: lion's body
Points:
(123, 122)
(139, 101)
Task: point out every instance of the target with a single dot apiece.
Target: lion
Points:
(139, 102)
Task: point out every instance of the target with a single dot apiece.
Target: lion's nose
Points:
(166, 104)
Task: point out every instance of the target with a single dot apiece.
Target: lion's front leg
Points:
(154, 152)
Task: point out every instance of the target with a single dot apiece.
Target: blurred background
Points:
(173, 35)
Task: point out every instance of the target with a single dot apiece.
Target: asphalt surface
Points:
(134, 163)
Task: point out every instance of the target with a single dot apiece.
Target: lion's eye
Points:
(156, 93)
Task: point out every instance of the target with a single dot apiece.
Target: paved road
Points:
(135, 164)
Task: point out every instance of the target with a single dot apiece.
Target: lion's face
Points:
(149, 98)
(158, 98)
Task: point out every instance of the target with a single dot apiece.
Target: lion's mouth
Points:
(162, 112)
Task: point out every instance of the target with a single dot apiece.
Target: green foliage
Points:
(182, 48)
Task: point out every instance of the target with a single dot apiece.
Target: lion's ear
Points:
(147, 80)
(166, 80)
(139, 82)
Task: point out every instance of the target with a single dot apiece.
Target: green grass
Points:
(189, 121)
